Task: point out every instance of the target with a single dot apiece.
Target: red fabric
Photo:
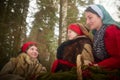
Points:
(54, 66)
(56, 62)
(26, 45)
(75, 28)
(86, 73)
(112, 45)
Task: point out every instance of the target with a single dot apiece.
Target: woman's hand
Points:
(95, 64)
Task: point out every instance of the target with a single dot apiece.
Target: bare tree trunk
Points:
(33, 34)
(62, 22)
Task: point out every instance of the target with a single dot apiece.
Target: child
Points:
(26, 65)
(78, 43)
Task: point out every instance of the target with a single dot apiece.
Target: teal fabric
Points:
(107, 19)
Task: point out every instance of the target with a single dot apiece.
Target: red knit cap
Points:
(26, 45)
(75, 28)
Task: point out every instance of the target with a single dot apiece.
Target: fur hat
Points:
(26, 46)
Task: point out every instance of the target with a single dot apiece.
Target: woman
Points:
(78, 43)
(106, 45)
(106, 48)
(26, 65)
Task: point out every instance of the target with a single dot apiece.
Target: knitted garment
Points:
(99, 50)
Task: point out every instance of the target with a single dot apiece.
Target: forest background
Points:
(42, 21)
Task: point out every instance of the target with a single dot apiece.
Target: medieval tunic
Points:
(67, 53)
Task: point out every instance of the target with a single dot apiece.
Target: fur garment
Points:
(70, 49)
(23, 66)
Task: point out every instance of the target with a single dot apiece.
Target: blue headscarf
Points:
(102, 12)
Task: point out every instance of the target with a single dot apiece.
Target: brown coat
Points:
(23, 66)
(85, 58)
(69, 50)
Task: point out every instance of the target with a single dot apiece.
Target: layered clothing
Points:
(68, 51)
(24, 66)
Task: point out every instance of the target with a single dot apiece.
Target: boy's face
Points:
(71, 34)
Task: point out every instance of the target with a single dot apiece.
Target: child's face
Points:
(33, 52)
(71, 34)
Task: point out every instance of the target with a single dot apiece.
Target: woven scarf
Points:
(99, 50)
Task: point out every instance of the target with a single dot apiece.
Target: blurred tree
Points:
(43, 30)
(76, 10)
(62, 21)
(12, 24)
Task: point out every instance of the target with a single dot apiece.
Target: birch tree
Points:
(63, 21)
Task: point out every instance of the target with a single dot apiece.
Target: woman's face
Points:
(71, 34)
(33, 51)
(93, 21)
